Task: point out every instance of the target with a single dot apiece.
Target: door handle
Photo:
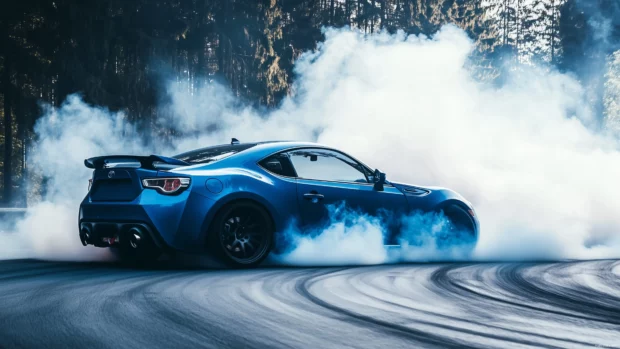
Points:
(314, 197)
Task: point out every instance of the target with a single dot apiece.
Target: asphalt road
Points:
(503, 305)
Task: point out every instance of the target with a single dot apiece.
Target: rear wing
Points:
(148, 162)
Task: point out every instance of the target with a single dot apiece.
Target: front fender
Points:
(430, 199)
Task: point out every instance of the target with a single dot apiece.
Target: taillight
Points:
(166, 185)
(90, 184)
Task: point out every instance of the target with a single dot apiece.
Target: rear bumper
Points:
(174, 222)
(104, 234)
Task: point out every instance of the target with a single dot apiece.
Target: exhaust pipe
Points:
(136, 236)
(85, 235)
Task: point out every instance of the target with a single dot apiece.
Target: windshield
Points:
(211, 154)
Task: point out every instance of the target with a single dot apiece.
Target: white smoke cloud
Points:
(350, 238)
(542, 183)
(353, 238)
(67, 136)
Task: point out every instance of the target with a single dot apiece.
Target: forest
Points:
(116, 53)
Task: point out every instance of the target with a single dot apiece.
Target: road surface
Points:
(477, 305)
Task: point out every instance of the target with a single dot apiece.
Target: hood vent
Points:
(416, 191)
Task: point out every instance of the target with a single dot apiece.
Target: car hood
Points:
(418, 190)
(408, 187)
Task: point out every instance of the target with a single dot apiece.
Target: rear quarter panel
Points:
(250, 182)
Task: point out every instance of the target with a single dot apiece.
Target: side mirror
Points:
(379, 179)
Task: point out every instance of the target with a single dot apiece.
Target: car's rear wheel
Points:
(242, 234)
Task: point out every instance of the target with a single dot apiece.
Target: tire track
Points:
(468, 305)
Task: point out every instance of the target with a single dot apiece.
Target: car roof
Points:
(282, 145)
(259, 150)
(271, 145)
(256, 151)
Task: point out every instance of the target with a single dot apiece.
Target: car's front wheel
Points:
(242, 234)
(459, 230)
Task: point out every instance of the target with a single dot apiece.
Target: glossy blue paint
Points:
(214, 185)
(181, 221)
(356, 196)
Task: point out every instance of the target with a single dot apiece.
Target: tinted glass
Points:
(210, 154)
(279, 164)
(326, 165)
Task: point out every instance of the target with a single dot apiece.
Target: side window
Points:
(326, 165)
(279, 164)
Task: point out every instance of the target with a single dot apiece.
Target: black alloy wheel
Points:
(244, 234)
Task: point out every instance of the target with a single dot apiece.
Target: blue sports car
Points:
(235, 200)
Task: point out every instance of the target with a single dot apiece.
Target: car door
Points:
(327, 179)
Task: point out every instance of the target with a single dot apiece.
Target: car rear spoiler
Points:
(147, 162)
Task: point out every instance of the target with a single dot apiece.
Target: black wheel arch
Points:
(224, 203)
(453, 206)
(213, 241)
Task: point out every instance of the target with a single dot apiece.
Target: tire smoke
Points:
(542, 182)
(355, 238)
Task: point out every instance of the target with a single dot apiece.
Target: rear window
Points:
(211, 154)
(279, 164)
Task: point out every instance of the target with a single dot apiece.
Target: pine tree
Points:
(526, 34)
(611, 96)
(505, 23)
(548, 17)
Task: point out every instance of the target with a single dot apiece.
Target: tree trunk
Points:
(358, 16)
(505, 24)
(408, 15)
(553, 32)
(518, 21)
(372, 19)
(382, 4)
(8, 131)
(20, 110)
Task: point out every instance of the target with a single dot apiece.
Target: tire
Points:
(460, 231)
(241, 234)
